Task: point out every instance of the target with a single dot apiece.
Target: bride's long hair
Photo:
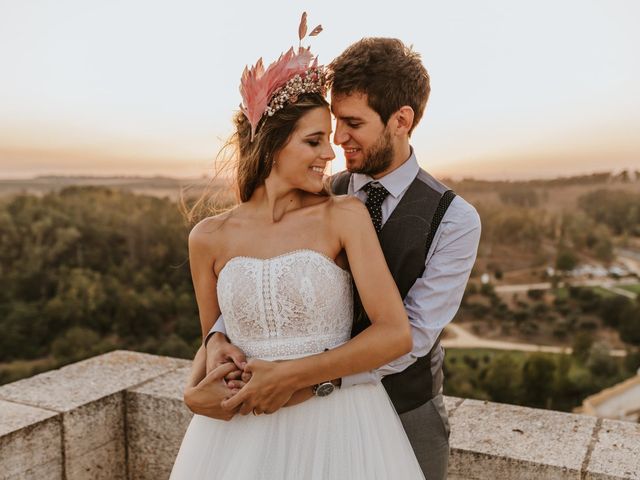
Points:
(248, 163)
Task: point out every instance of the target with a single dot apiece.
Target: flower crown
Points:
(264, 92)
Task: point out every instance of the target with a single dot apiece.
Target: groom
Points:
(379, 90)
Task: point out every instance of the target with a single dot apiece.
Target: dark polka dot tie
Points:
(376, 194)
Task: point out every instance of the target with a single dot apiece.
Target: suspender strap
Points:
(445, 201)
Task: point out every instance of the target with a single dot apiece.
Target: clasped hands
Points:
(234, 385)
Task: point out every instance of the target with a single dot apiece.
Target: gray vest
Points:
(405, 239)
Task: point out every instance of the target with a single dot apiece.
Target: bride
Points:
(279, 267)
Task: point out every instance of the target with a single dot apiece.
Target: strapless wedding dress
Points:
(289, 306)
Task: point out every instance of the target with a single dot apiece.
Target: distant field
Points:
(485, 353)
(153, 186)
(635, 288)
(563, 292)
(603, 292)
(554, 195)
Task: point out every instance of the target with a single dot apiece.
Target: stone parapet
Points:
(157, 420)
(30, 442)
(121, 415)
(80, 412)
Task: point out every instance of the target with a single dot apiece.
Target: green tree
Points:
(174, 346)
(88, 261)
(538, 380)
(600, 363)
(616, 209)
(563, 386)
(603, 247)
(76, 343)
(503, 379)
(630, 324)
(632, 361)
(612, 309)
(17, 325)
(582, 343)
(535, 294)
(566, 260)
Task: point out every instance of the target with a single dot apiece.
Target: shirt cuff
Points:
(218, 327)
(371, 377)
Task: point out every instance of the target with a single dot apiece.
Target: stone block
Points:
(30, 443)
(94, 439)
(616, 452)
(121, 416)
(452, 403)
(106, 462)
(156, 422)
(491, 440)
(77, 384)
(90, 397)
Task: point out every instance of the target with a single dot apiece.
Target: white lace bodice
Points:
(288, 306)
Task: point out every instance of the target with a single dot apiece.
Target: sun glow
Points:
(146, 88)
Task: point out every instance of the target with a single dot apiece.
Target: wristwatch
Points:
(326, 388)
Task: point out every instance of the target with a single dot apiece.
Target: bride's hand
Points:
(266, 392)
(220, 351)
(237, 379)
(204, 397)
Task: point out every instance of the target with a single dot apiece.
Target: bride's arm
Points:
(201, 263)
(204, 392)
(388, 337)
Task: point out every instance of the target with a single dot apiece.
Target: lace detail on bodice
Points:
(288, 306)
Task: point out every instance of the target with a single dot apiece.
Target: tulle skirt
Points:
(353, 434)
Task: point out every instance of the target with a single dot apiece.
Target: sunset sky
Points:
(145, 87)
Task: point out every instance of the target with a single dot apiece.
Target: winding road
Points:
(611, 285)
(465, 339)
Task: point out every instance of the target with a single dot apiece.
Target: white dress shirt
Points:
(435, 297)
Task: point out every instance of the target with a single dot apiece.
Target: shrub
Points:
(535, 294)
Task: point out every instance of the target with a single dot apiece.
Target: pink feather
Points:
(258, 85)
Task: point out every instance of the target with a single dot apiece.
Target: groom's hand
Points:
(220, 351)
(205, 397)
(266, 392)
(237, 379)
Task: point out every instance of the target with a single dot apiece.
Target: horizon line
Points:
(455, 178)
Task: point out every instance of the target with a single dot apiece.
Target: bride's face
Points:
(303, 160)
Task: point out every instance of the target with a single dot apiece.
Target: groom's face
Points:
(361, 134)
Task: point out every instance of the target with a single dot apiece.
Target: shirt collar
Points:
(395, 182)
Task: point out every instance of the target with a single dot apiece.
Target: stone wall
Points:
(121, 416)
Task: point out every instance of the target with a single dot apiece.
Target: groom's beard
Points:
(379, 157)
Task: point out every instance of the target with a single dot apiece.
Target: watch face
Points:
(324, 389)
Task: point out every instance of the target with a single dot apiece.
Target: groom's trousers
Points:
(428, 430)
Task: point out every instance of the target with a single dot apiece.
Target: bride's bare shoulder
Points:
(347, 214)
(347, 206)
(208, 232)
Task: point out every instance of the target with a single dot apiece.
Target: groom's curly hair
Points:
(387, 71)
